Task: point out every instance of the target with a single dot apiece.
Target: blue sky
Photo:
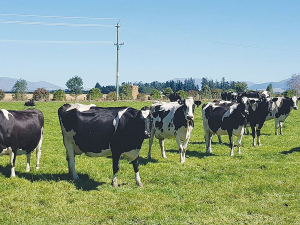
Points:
(240, 40)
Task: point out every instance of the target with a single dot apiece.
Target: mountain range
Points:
(6, 84)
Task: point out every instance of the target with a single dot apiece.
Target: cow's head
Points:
(147, 118)
(189, 107)
(244, 106)
(294, 102)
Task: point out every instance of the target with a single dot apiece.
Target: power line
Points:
(54, 42)
(63, 17)
(54, 24)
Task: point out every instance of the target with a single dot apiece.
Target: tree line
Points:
(209, 89)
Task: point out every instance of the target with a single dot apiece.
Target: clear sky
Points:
(240, 40)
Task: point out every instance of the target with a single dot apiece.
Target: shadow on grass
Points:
(297, 149)
(197, 154)
(84, 183)
(145, 161)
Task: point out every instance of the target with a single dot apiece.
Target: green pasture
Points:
(260, 186)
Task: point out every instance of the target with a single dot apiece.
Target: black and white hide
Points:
(173, 120)
(96, 131)
(21, 132)
(223, 118)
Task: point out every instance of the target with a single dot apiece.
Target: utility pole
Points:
(118, 48)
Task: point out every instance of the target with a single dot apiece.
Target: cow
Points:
(280, 109)
(97, 131)
(175, 97)
(231, 96)
(21, 132)
(173, 120)
(225, 118)
(255, 94)
(258, 111)
(30, 102)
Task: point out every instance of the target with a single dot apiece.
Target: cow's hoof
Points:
(114, 183)
(27, 170)
(139, 183)
(149, 156)
(164, 156)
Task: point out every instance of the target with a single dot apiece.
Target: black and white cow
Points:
(280, 110)
(96, 131)
(231, 96)
(20, 133)
(173, 120)
(258, 111)
(223, 118)
(175, 97)
(30, 102)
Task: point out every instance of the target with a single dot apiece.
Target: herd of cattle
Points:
(120, 131)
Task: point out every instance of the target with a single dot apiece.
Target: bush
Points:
(94, 94)
(111, 96)
(41, 94)
(194, 94)
(126, 92)
(290, 93)
(182, 94)
(155, 94)
(167, 91)
(141, 97)
(2, 95)
(59, 95)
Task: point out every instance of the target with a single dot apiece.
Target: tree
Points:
(126, 92)
(155, 94)
(98, 86)
(167, 91)
(74, 85)
(294, 83)
(41, 94)
(240, 87)
(206, 92)
(2, 94)
(270, 88)
(94, 94)
(19, 90)
(204, 82)
(182, 94)
(59, 95)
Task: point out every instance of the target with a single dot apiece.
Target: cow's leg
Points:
(231, 143)
(276, 126)
(162, 147)
(39, 152)
(220, 139)
(258, 137)
(280, 127)
(253, 129)
(151, 142)
(179, 144)
(70, 156)
(13, 154)
(135, 164)
(240, 137)
(115, 165)
(28, 162)
(208, 137)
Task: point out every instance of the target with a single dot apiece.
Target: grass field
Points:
(260, 186)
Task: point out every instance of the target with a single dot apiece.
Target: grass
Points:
(260, 186)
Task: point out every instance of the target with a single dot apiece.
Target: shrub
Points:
(141, 97)
(59, 95)
(290, 93)
(2, 95)
(155, 94)
(194, 94)
(111, 96)
(94, 94)
(41, 94)
(167, 91)
(126, 92)
(182, 94)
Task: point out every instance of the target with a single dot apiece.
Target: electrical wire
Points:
(62, 17)
(54, 24)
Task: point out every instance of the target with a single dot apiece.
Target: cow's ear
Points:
(274, 99)
(198, 103)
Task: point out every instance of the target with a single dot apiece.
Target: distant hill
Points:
(6, 84)
(279, 86)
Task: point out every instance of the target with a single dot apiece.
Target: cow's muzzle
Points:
(190, 117)
(295, 107)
